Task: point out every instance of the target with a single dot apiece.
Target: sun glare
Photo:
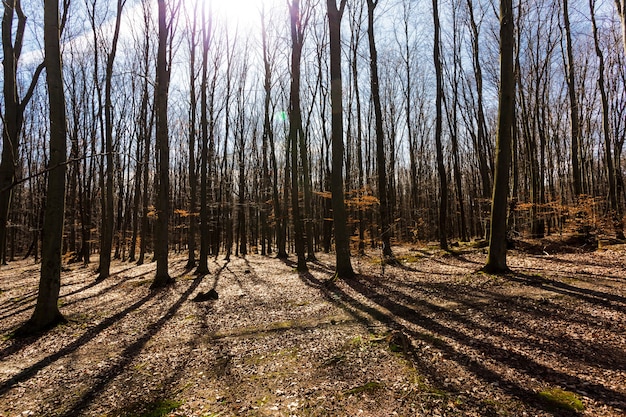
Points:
(244, 14)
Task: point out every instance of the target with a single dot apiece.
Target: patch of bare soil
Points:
(432, 337)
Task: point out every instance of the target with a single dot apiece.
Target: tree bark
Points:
(203, 266)
(193, 180)
(441, 168)
(107, 218)
(47, 312)
(295, 129)
(342, 237)
(573, 101)
(385, 223)
(621, 11)
(496, 260)
(146, 122)
(162, 277)
(606, 130)
(268, 141)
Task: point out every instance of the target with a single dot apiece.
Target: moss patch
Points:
(561, 399)
(368, 387)
(160, 408)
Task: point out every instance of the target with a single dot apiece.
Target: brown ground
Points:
(431, 338)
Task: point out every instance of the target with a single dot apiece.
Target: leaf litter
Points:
(431, 337)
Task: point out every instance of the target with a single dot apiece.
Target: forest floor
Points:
(432, 337)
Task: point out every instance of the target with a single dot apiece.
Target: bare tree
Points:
(385, 222)
(47, 312)
(14, 107)
(606, 128)
(573, 100)
(107, 215)
(162, 277)
(193, 180)
(342, 238)
(496, 260)
(441, 169)
(295, 126)
(203, 266)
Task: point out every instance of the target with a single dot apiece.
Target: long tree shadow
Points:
(395, 313)
(89, 334)
(129, 354)
(391, 309)
(473, 300)
(600, 298)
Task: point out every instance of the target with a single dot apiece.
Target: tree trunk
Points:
(107, 218)
(13, 117)
(354, 45)
(385, 223)
(162, 277)
(573, 101)
(193, 180)
(621, 11)
(203, 266)
(608, 154)
(454, 131)
(266, 139)
(342, 237)
(496, 260)
(295, 129)
(441, 169)
(47, 312)
(146, 123)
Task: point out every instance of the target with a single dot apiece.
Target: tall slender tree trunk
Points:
(107, 218)
(136, 198)
(193, 180)
(354, 44)
(496, 260)
(385, 223)
(203, 265)
(606, 129)
(47, 312)
(295, 129)
(146, 122)
(267, 141)
(340, 218)
(441, 168)
(454, 131)
(162, 277)
(573, 101)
